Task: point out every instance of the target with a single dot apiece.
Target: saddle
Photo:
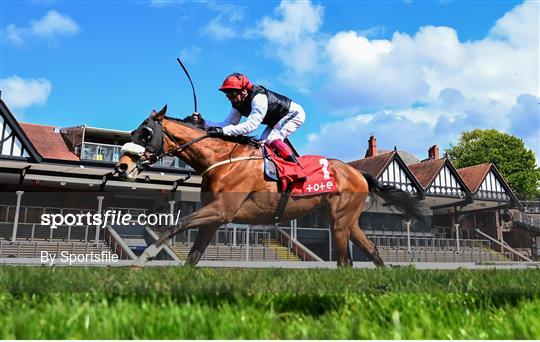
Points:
(319, 178)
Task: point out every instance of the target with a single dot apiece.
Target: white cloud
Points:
(292, 37)
(519, 26)
(20, 93)
(52, 25)
(222, 26)
(13, 34)
(375, 31)
(190, 54)
(298, 20)
(415, 129)
(415, 90)
(161, 3)
(525, 116)
(347, 139)
(440, 122)
(218, 29)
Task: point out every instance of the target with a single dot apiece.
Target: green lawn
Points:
(163, 303)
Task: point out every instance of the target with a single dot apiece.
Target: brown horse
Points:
(238, 192)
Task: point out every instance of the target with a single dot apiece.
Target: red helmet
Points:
(236, 81)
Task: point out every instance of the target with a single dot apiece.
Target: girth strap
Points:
(282, 203)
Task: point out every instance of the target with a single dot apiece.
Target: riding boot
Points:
(284, 151)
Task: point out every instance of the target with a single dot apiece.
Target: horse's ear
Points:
(159, 115)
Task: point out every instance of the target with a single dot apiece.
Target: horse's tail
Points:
(407, 204)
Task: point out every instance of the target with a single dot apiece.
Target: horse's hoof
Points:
(193, 259)
(139, 263)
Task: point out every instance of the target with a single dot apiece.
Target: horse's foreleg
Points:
(359, 238)
(218, 212)
(204, 236)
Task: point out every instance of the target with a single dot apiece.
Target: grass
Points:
(182, 303)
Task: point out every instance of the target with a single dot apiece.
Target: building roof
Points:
(373, 165)
(405, 156)
(474, 175)
(10, 122)
(48, 142)
(426, 171)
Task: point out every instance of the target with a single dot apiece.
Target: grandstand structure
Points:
(48, 170)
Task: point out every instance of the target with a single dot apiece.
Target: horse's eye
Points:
(146, 135)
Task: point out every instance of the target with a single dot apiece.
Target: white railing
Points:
(117, 244)
(296, 247)
(504, 245)
(32, 214)
(111, 153)
(532, 207)
(27, 249)
(529, 220)
(429, 255)
(36, 232)
(418, 242)
(241, 253)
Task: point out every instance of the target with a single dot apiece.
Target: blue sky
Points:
(414, 73)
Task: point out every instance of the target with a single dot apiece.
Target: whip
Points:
(191, 82)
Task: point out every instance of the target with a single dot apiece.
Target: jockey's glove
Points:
(215, 131)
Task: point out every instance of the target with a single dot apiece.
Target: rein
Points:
(228, 161)
(181, 147)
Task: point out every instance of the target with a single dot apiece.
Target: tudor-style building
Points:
(441, 183)
(388, 168)
(463, 201)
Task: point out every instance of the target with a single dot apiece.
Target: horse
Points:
(234, 189)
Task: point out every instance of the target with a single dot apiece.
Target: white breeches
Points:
(287, 125)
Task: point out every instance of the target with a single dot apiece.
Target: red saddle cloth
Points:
(319, 178)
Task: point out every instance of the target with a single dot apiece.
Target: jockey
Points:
(261, 106)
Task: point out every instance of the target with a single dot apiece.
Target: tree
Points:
(507, 152)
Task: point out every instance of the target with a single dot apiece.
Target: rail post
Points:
(408, 225)
(16, 219)
(329, 244)
(247, 243)
(457, 236)
(100, 206)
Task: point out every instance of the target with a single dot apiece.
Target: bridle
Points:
(179, 148)
(153, 158)
(147, 157)
(152, 151)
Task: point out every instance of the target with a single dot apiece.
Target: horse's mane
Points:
(240, 139)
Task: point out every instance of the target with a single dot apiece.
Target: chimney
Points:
(433, 152)
(372, 147)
